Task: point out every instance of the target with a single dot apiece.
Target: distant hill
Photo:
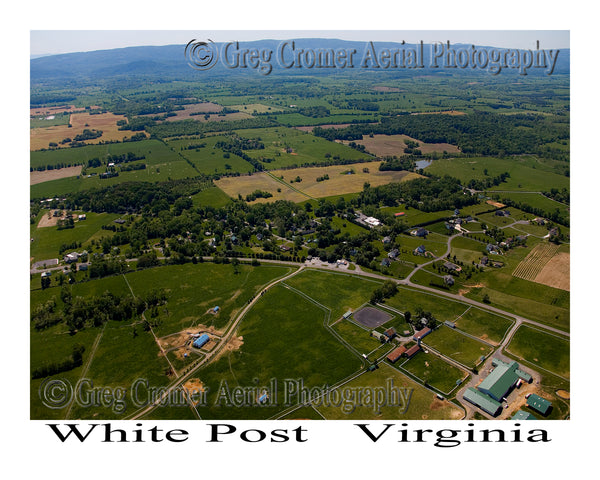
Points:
(169, 62)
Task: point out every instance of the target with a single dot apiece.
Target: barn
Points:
(412, 351)
(421, 334)
(539, 404)
(502, 379)
(201, 340)
(396, 354)
(483, 401)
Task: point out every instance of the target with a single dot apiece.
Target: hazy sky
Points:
(45, 42)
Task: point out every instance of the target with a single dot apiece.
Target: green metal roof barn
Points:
(483, 401)
(502, 379)
(539, 404)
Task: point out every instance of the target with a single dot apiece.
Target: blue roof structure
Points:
(201, 340)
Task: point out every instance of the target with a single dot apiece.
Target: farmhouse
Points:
(386, 240)
(502, 379)
(393, 253)
(448, 280)
(420, 249)
(386, 262)
(372, 222)
(396, 354)
(71, 257)
(390, 333)
(421, 334)
(419, 232)
(539, 404)
(452, 267)
(482, 401)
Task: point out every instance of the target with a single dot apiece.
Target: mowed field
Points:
(107, 122)
(387, 145)
(339, 181)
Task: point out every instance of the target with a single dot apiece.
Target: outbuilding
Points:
(396, 354)
(201, 340)
(539, 404)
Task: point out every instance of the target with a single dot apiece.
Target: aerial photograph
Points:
(304, 225)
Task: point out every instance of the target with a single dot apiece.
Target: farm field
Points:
(423, 403)
(484, 325)
(390, 145)
(212, 196)
(273, 339)
(359, 337)
(154, 151)
(288, 147)
(457, 346)
(522, 176)
(434, 371)
(535, 200)
(442, 308)
(263, 181)
(194, 290)
(543, 349)
(338, 183)
(210, 159)
(36, 177)
(413, 216)
(170, 170)
(119, 361)
(351, 292)
(251, 108)
(546, 265)
(106, 122)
